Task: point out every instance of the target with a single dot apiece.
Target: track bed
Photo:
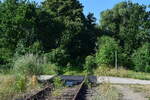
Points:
(66, 93)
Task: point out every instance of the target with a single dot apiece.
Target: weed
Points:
(58, 83)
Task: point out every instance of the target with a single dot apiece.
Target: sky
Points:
(97, 6)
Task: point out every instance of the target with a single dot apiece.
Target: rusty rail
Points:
(78, 96)
(40, 95)
(46, 92)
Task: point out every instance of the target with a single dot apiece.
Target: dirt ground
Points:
(133, 92)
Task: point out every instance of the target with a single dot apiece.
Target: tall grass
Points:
(120, 72)
(14, 86)
(33, 65)
(20, 79)
(106, 92)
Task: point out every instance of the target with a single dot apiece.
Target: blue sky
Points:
(97, 6)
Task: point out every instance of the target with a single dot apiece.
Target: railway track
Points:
(86, 93)
(40, 95)
(77, 92)
(69, 93)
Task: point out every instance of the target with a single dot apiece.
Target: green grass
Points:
(73, 71)
(106, 71)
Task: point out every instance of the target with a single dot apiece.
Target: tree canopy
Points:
(59, 30)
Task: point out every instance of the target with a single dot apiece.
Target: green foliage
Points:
(59, 29)
(49, 69)
(29, 64)
(89, 64)
(69, 14)
(27, 28)
(128, 23)
(57, 56)
(5, 60)
(75, 30)
(106, 50)
(16, 23)
(58, 83)
(141, 58)
(20, 83)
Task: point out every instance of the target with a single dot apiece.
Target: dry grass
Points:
(6, 92)
(108, 71)
(145, 89)
(106, 92)
(12, 87)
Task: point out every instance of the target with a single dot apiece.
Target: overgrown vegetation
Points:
(12, 87)
(31, 64)
(120, 72)
(55, 37)
(68, 38)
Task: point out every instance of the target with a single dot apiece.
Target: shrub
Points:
(106, 51)
(29, 64)
(89, 64)
(22, 48)
(35, 48)
(141, 58)
(58, 83)
(50, 69)
(57, 56)
(5, 58)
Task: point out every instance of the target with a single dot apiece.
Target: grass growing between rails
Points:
(120, 72)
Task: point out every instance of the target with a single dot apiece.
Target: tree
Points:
(128, 23)
(70, 14)
(17, 22)
(141, 58)
(75, 32)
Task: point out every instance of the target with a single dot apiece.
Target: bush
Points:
(50, 69)
(141, 58)
(5, 58)
(57, 56)
(89, 64)
(106, 51)
(29, 64)
(22, 48)
(58, 83)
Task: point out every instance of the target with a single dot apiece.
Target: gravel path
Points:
(117, 80)
(128, 93)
